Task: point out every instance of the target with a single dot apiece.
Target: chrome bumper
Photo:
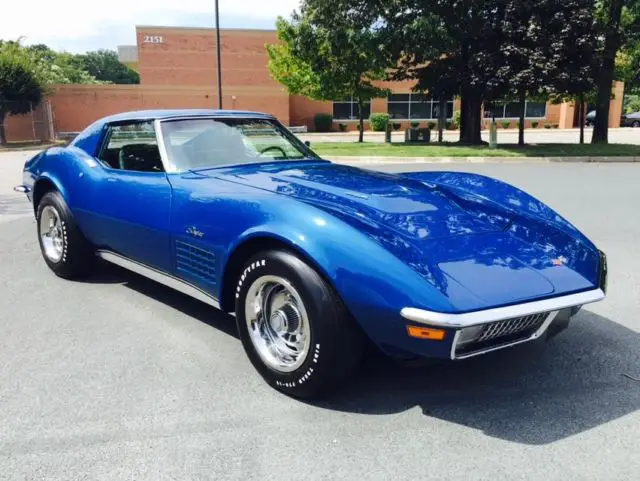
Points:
(501, 327)
(441, 319)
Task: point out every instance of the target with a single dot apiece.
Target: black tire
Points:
(336, 343)
(77, 256)
(636, 123)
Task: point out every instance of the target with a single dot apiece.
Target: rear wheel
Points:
(636, 123)
(295, 329)
(65, 250)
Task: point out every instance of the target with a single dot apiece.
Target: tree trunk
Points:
(361, 120)
(605, 78)
(442, 115)
(523, 105)
(463, 116)
(581, 116)
(3, 137)
(470, 119)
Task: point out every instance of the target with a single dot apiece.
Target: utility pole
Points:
(218, 52)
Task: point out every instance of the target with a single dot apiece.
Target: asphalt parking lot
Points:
(119, 378)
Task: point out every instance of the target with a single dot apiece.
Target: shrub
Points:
(415, 124)
(547, 125)
(396, 125)
(448, 124)
(534, 124)
(342, 127)
(456, 117)
(432, 125)
(555, 126)
(358, 126)
(379, 122)
(506, 124)
(323, 122)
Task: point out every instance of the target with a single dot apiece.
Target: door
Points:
(127, 207)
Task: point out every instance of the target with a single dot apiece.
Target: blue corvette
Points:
(315, 259)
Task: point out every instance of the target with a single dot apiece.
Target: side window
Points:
(132, 146)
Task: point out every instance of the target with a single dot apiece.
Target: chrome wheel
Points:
(278, 324)
(51, 234)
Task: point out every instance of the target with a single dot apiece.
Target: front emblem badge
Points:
(560, 261)
(192, 231)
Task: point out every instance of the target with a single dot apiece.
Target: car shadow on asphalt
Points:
(532, 394)
(108, 273)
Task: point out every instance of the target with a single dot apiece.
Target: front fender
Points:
(373, 283)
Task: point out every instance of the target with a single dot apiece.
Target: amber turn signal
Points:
(426, 333)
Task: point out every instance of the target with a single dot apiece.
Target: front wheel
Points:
(295, 329)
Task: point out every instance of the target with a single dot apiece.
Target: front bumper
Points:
(488, 330)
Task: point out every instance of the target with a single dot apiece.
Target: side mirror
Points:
(307, 143)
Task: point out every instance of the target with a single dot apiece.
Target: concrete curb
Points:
(477, 160)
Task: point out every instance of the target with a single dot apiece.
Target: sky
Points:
(80, 25)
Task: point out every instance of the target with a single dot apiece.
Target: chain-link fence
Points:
(33, 126)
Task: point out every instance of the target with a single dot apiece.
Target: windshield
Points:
(206, 143)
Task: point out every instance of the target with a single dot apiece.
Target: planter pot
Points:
(417, 135)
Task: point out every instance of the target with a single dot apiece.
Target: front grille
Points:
(512, 326)
(478, 339)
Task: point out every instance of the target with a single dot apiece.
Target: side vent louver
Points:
(196, 262)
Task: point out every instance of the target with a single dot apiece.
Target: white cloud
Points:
(70, 24)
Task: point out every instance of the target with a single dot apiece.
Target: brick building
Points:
(186, 58)
(177, 69)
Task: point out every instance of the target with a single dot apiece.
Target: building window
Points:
(349, 110)
(511, 110)
(415, 107)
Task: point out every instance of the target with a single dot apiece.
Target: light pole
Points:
(218, 52)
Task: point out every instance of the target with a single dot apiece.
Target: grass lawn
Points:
(397, 149)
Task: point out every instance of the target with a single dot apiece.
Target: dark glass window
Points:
(421, 110)
(398, 110)
(415, 107)
(399, 97)
(536, 109)
(511, 110)
(349, 110)
(341, 111)
(366, 110)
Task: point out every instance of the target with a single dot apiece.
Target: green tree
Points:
(104, 65)
(20, 85)
(330, 52)
(619, 26)
(573, 50)
(448, 47)
(60, 67)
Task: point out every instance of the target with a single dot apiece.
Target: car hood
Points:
(409, 208)
(490, 255)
